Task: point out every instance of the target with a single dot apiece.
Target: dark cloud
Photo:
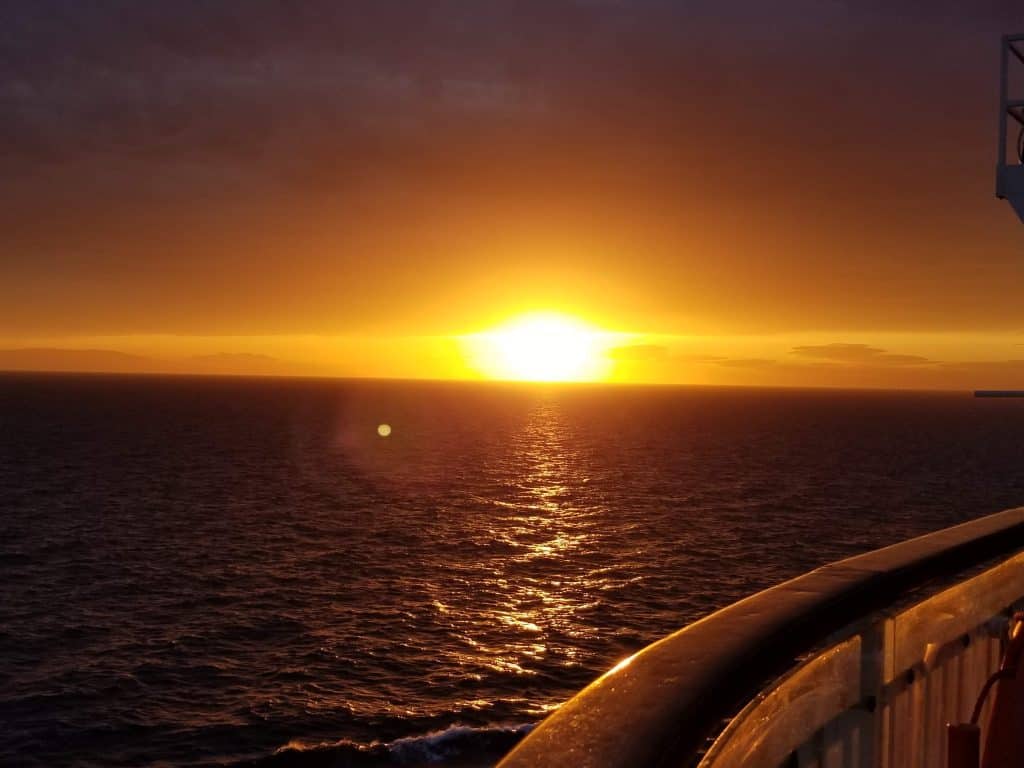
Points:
(337, 146)
(859, 354)
(252, 81)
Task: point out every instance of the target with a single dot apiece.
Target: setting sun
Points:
(541, 347)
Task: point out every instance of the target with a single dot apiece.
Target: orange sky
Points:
(802, 197)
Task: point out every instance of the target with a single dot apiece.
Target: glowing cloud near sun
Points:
(541, 347)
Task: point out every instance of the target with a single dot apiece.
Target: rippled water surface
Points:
(202, 572)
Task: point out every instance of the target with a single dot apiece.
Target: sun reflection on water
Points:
(527, 605)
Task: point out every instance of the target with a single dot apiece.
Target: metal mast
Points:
(1010, 158)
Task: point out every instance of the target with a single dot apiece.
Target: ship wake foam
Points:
(455, 747)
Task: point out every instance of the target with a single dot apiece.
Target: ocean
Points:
(244, 572)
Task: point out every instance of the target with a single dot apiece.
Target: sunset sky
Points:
(794, 193)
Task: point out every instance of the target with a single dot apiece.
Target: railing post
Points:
(877, 670)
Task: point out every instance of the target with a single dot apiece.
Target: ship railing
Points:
(861, 663)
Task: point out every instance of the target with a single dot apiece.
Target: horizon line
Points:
(482, 381)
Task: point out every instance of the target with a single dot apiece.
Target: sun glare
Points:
(542, 347)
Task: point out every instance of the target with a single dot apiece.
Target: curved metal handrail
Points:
(660, 706)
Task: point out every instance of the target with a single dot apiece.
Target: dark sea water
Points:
(207, 572)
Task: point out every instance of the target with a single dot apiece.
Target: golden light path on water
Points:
(499, 540)
(531, 603)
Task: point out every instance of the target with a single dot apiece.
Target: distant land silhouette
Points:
(845, 365)
(47, 359)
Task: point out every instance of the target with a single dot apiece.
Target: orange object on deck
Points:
(964, 745)
(1004, 742)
